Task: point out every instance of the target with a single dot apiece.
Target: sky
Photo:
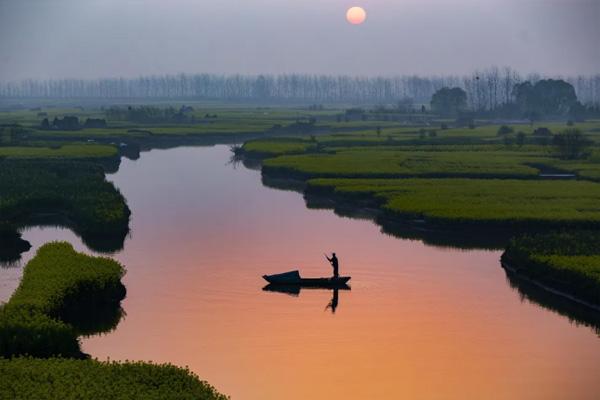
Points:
(111, 38)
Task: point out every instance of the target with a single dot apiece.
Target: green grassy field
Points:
(59, 378)
(363, 163)
(585, 169)
(76, 192)
(264, 148)
(393, 162)
(567, 261)
(55, 282)
(72, 151)
(475, 201)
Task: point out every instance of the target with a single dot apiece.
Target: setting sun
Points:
(356, 15)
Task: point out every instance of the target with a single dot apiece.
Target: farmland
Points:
(71, 151)
(567, 261)
(393, 162)
(67, 192)
(26, 378)
(58, 282)
(474, 201)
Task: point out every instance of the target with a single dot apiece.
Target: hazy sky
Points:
(106, 38)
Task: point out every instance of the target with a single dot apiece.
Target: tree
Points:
(542, 131)
(505, 130)
(521, 138)
(577, 112)
(572, 144)
(449, 101)
(95, 123)
(261, 87)
(545, 97)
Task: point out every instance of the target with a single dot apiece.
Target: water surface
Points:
(420, 322)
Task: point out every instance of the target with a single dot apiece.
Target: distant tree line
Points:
(486, 90)
(150, 114)
(531, 100)
(71, 123)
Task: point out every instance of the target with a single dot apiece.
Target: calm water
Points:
(419, 323)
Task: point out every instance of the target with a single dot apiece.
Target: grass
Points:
(393, 162)
(76, 192)
(64, 151)
(586, 169)
(57, 378)
(56, 283)
(58, 276)
(568, 261)
(261, 148)
(475, 201)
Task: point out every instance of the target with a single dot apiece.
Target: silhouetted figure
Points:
(335, 264)
(334, 301)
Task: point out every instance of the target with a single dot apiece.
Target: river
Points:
(420, 322)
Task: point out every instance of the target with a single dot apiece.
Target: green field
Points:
(263, 148)
(477, 201)
(393, 162)
(567, 261)
(385, 166)
(57, 281)
(72, 151)
(59, 378)
(75, 193)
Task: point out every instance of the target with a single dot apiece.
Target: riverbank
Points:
(58, 285)
(566, 263)
(62, 192)
(54, 378)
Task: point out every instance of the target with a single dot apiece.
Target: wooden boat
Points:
(294, 278)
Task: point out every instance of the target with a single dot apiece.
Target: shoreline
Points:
(508, 267)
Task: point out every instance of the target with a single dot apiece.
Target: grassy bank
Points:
(70, 151)
(420, 173)
(57, 378)
(40, 319)
(265, 148)
(568, 262)
(71, 193)
(473, 201)
(390, 162)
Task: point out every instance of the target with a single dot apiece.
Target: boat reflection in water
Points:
(294, 290)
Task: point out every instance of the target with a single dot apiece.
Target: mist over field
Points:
(110, 38)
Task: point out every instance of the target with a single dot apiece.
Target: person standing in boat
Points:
(335, 264)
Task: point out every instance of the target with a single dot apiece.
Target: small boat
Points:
(293, 278)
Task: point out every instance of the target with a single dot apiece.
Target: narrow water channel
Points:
(419, 322)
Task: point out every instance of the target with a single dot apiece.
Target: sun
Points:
(356, 15)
